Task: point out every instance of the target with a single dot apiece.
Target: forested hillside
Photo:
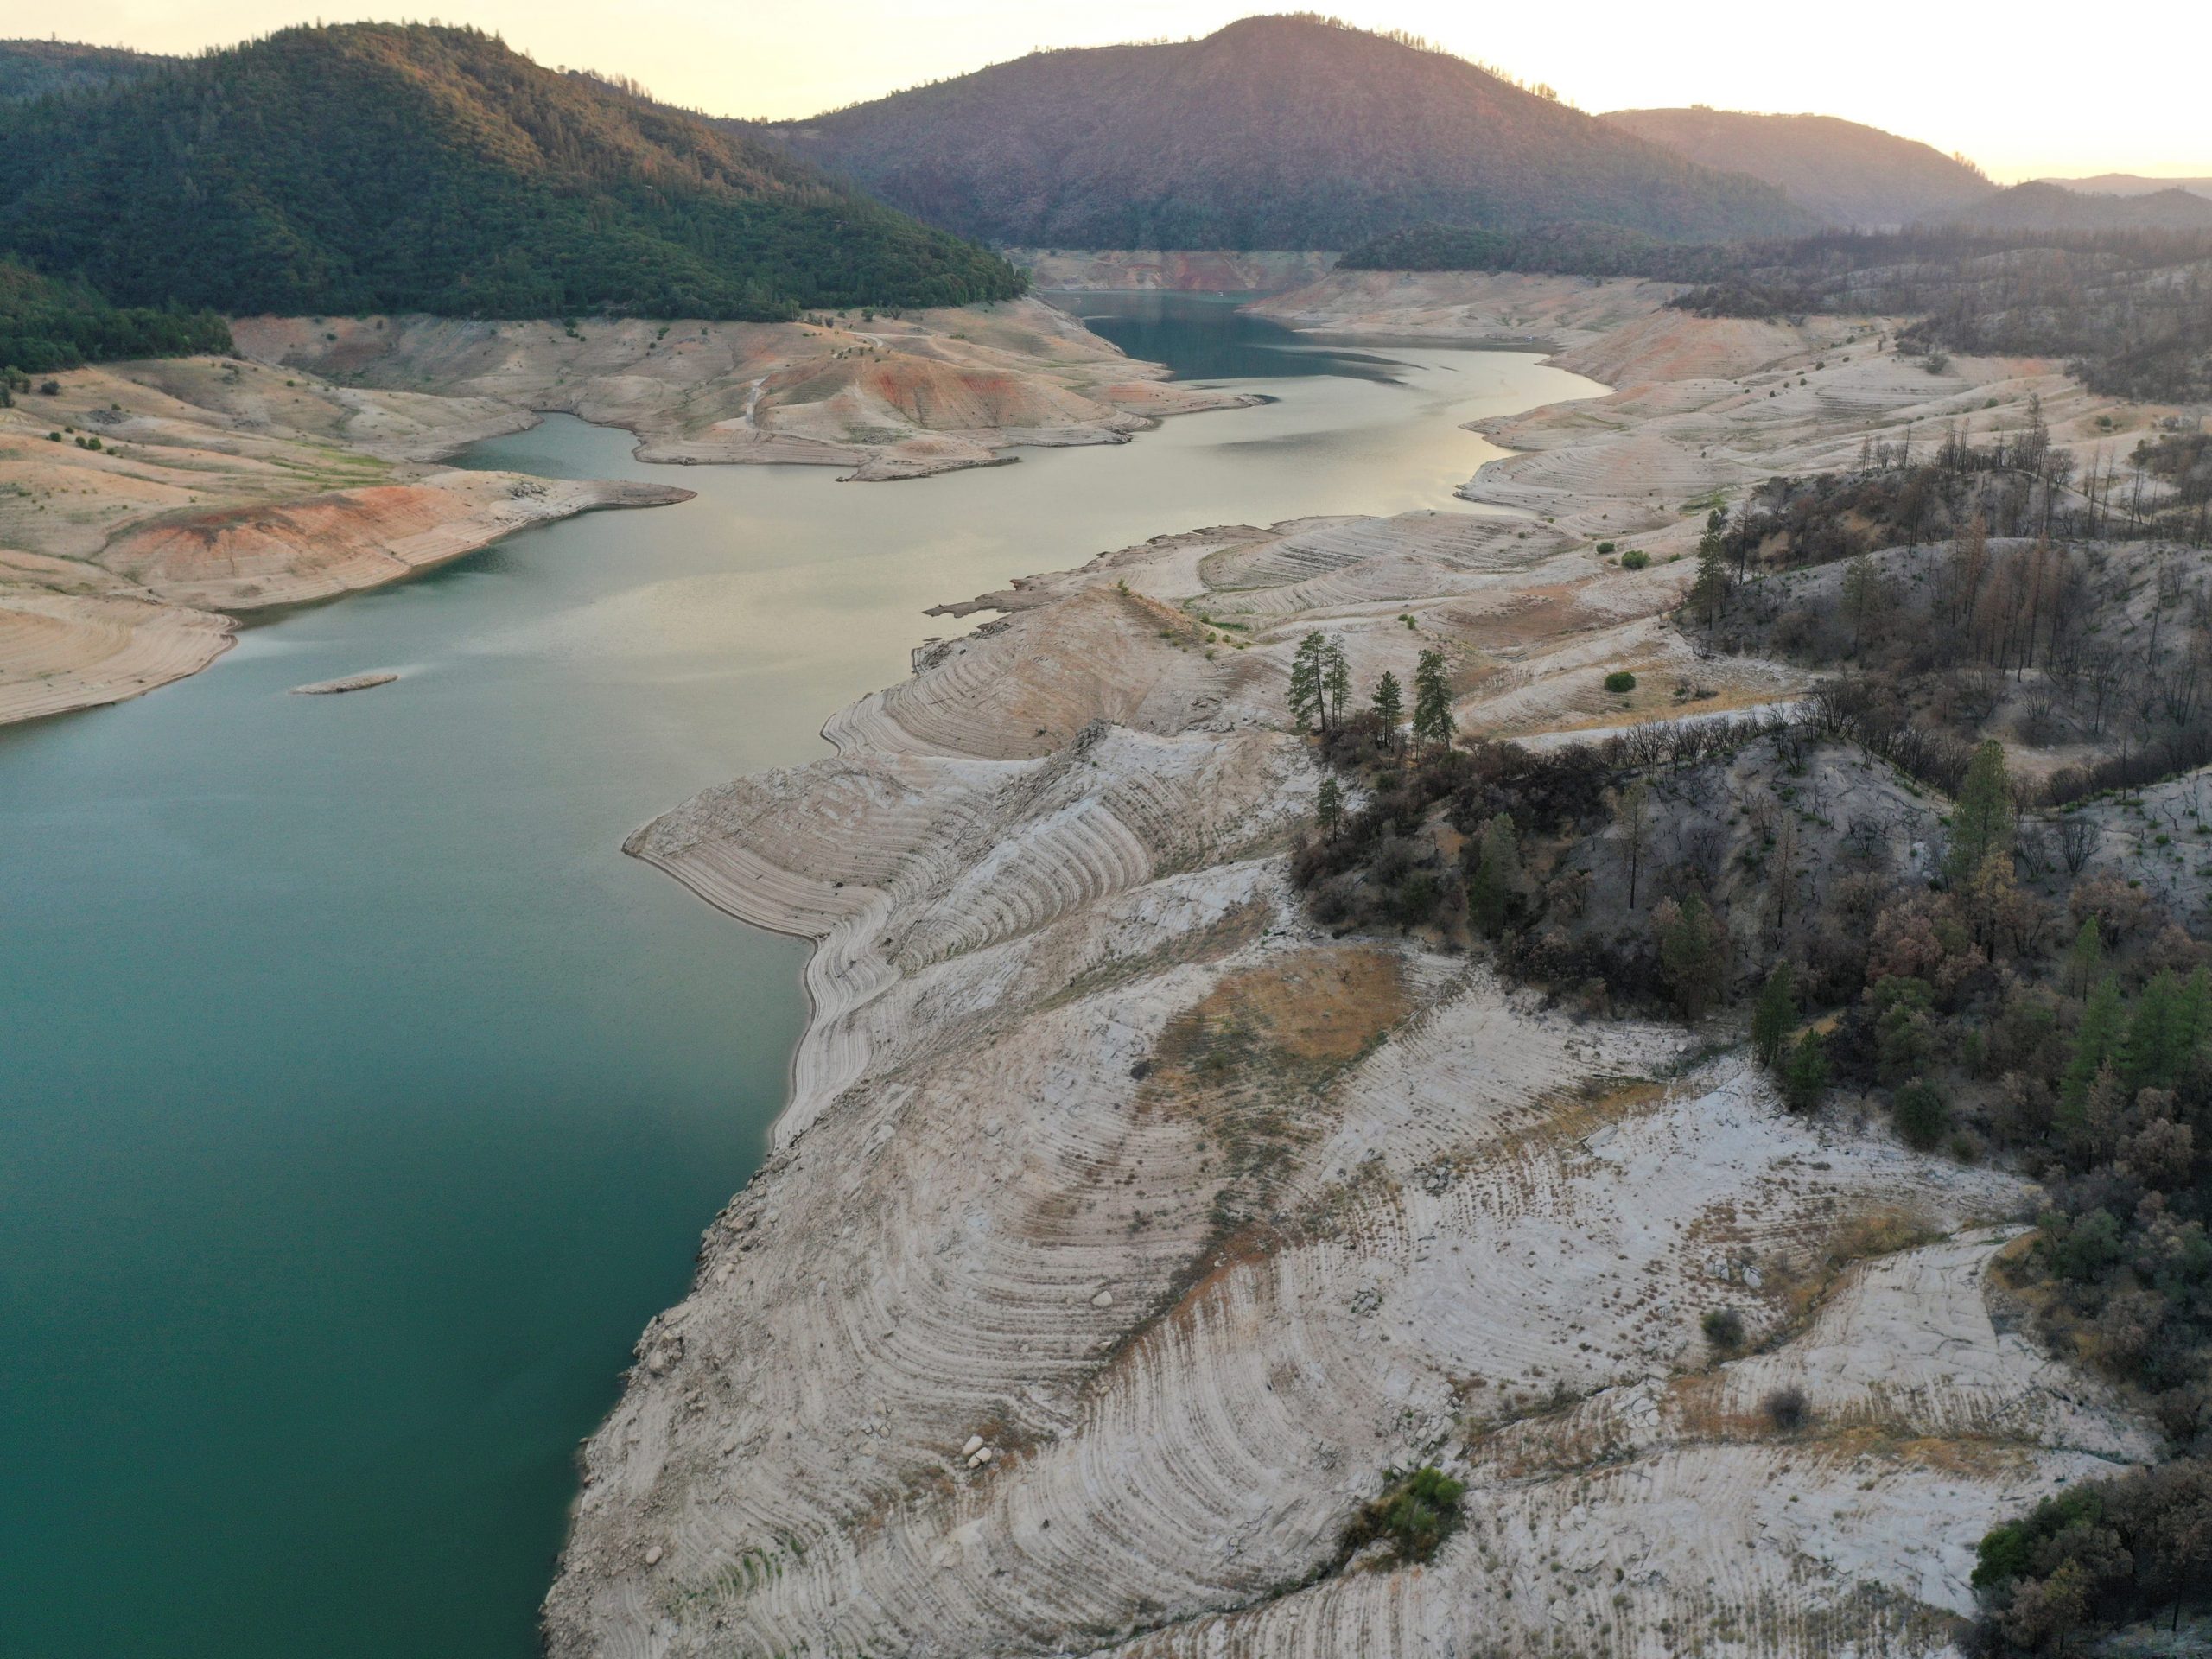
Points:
(45, 325)
(33, 68)
(1847, 174)
(373, 166)
(1274, 132)
(2052, 207)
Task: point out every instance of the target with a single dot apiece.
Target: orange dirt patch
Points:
(1321, 1005)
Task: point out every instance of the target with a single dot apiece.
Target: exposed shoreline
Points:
(1041, 869)
(188, 493)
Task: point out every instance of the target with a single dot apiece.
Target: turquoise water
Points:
(359, 1102)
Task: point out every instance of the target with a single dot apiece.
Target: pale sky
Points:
(2024, 88)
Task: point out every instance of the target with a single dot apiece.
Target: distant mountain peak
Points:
(1845, 172)
(1290, 130)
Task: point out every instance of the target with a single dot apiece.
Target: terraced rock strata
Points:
(1125, 1232)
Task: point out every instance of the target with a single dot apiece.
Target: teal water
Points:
(359, 1102)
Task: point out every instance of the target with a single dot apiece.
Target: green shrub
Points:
(1414, 1516)
(1922, 1117)
(1788, 1410)
(1635, 559)
(1723, 1328)
(1605, 549)
(1620, 680)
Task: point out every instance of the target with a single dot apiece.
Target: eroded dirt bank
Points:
(1125, 1229)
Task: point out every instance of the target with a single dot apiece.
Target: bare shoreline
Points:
(1027, 870)
(174, 496)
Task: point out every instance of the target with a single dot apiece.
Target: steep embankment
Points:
(1287, 132)
(1126, 1229)
(883, 396)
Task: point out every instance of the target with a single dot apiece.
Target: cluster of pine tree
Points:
(46, 325)
(385, 168)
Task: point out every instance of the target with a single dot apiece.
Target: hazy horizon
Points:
(2122, 115)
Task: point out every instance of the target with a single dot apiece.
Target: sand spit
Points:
(882, 397)
(345, 683)
(1125, 1229)
(1148, 269)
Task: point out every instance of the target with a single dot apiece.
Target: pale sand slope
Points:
(221, 484)
(1469, 307)
(884, 398)
(1200, 1221)
(1146, 269)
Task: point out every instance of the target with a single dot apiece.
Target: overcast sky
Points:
(2024, 88)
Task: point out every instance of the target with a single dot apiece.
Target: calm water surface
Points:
(358, 1102)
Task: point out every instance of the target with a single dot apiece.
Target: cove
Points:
(359, 1102)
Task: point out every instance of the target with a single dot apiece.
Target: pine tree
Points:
(1805, 1073)
(1498, 878)
(1632, 817)
(2085, 962)
(1862, 595)
(1329, 807)
(1308, 702)
(2161, 1036)
(2096, 1039)
(1389, 707)
(1709, 593)
(1774, 1013)
(1432, 701)
(1693, 953)
(1983, 822)
(1335, 680)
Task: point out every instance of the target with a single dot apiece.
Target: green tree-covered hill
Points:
(1274, 132)
(1848, 173)
(387, 167)
(45, 325)
(33, 69)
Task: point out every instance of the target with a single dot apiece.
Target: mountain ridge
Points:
(1273, 132)
(1847, 173)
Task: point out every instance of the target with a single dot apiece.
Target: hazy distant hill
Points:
(385, 168)
(2048, 208)
(1274, 132)
(2130, 184)
(1845, 173)
(28, 68)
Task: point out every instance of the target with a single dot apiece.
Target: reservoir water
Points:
(359, 1101)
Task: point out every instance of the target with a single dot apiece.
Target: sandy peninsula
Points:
(1126, 1229)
